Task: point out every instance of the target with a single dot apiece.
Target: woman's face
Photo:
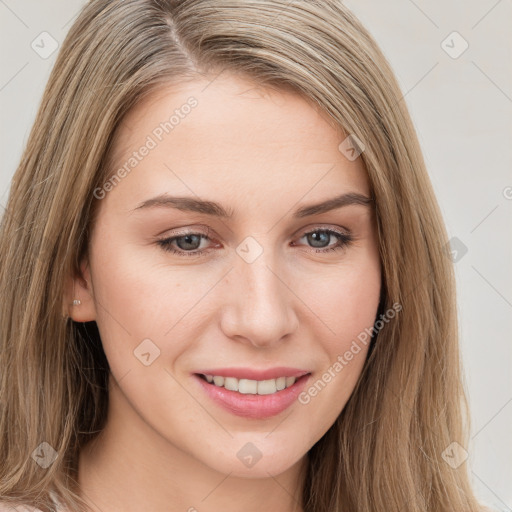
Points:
(240, 277)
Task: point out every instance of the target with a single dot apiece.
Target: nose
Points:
(259, 309)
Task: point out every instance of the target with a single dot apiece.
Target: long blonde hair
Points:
(384, 452)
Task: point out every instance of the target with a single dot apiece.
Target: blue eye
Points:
(324, 235)
(188, 244)
(184, 243)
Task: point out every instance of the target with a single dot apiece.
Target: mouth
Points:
(250, 386)
(252, 398)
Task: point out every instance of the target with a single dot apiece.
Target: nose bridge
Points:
(260, 305)
(262, 286)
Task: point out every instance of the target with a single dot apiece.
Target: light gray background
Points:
(462, 111)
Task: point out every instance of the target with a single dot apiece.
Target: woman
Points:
(301, 354)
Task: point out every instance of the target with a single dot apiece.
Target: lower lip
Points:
(253, 406)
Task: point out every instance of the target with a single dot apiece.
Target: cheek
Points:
(139, 293)
(345, 302)
(139, 300)
(346, 309)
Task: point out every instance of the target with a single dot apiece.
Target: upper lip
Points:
(255, 374)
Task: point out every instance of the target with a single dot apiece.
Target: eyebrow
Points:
(215, 209)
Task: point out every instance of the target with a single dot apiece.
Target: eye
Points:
(319, 237)
(189, 243)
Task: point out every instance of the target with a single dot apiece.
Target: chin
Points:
(258, 459)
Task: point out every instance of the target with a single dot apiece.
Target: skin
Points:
(261, 153)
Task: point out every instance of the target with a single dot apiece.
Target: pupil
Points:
(188, 238)
(314, 238)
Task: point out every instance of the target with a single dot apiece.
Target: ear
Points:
(79, 287)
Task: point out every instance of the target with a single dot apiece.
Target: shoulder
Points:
(7, 507)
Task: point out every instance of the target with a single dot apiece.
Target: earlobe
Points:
(78, 296)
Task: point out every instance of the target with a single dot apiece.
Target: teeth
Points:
(247, 386)
(218, 381)
(231, 383)
(252, 387)
(267, 387)
(290, 381)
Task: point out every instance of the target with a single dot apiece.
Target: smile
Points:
(251, 397)
(251, 387)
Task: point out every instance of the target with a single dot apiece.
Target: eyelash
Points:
(344, 240)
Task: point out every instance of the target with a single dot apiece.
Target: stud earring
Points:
(77, 302)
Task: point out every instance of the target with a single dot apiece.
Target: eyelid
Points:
(188, 230)
(321, 227)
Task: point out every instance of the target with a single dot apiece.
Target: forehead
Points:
(237, 138)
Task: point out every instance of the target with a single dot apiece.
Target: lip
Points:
(249, 405)
(254, 374)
